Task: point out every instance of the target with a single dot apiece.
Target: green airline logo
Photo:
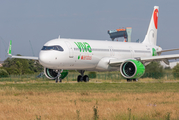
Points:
(154, 53)
(84, 47)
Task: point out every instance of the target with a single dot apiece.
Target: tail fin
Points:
(9, 49)
(151, 36)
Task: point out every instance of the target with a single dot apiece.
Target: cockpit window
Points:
(59, 48)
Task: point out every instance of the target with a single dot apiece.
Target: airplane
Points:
(60, 55)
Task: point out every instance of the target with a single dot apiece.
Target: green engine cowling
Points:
(132, 69)
(52, 74)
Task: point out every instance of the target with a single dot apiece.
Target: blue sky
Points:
(43, 20)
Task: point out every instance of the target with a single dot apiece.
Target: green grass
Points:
(96, 87)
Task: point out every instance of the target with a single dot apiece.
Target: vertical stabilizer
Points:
(151, 36)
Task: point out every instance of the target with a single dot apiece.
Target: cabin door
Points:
(70, 50)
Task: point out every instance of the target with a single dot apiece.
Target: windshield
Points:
(56, 47)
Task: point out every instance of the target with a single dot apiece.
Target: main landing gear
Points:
(58, 79)
(130, 80)
(82, 77)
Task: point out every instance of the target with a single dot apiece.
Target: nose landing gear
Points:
(82, 77)
(58, 79)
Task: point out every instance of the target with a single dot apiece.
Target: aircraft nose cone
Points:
(43, 58)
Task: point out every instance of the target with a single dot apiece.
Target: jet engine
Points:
(52, 74)
(132, 69)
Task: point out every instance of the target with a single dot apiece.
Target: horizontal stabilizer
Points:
(168, 50)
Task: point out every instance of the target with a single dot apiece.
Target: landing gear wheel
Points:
(85, 78)
(60, 80)
(135, 80)
(79, 79)
(56, 80)
(129, 80)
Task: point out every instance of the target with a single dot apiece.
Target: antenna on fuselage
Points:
(59, 37)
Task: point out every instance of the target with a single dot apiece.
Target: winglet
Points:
(9, 49)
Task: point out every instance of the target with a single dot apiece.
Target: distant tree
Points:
(12, 70)
(8, 62)
(21, 66)
(154, 70)
(175, 71)
(167, 68)
(92, 74)
(3, 73)
(35, 66)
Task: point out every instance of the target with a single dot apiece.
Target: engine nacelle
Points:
(52, 74)
(132, 69)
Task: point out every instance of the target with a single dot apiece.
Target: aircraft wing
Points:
(164, 58)
(25, 57)
(160, 58)
(20, 57)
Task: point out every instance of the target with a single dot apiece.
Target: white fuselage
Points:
(91, 54)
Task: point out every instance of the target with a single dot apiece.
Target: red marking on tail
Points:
(155, 17)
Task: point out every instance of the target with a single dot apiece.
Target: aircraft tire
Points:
(56, 80)
(60, 80)
(79, 78)
(135, 80)
(86, 78)
(129, 80)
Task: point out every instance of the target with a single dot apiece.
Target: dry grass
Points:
(20, 104)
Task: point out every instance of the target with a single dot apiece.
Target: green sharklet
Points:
(10, 44)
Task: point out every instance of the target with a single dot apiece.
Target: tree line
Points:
(14, 66)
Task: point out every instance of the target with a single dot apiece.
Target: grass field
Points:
(88, 101)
